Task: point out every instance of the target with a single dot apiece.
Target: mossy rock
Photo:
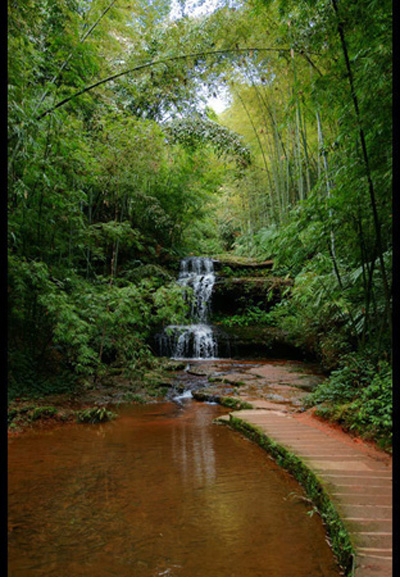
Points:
(206, 396)
(229, 402)
(214, 379)
(235, 262)
(156, 379)
(236, 404)
(175, 366)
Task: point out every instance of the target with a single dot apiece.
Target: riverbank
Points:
(115, 388)
(268, 384)
(272, 384)
(277, 382)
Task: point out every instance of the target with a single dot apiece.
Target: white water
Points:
(198, 274)
(197, 340)
(186, 395)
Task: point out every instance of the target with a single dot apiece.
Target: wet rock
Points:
(278, 398)
(200, 370)
(205, 396)
(216, 379)
(175, 365)
(259, 341)
(239, 379)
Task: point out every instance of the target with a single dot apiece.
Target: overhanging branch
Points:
(154, 63)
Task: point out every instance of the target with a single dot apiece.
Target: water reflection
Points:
(160, 491)
(193, 449)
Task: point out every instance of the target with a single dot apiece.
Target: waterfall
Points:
(198, 274)
(196, 340)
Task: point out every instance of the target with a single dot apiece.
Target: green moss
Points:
(175, 365)
(229, 402)
(339, 537)
(215, 379)
(236, 404)
(205, 396)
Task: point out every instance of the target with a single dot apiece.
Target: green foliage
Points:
(199, 130)
(253, 315)
(43, 413)
(95, 415)
(147, 271)
(107, 190)
(332, 306)
(316, 316)
(116, 319)
(130, 397)
(358, 395)
(312, 200)
(100, 198)
(28, 413)
(80, 325)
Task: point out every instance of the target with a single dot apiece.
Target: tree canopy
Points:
(118, 167)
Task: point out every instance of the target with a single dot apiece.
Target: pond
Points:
(160, 491)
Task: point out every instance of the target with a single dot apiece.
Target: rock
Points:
(205, 397)
(175, 365)
(231, 294)
(154, 379)
(240, 263)
(277, 398)
(258, 341)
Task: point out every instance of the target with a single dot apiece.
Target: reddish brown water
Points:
(161, 491)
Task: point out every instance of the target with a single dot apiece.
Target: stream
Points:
(160, 491)
(163, 491)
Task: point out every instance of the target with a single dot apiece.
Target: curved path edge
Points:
(351, 490)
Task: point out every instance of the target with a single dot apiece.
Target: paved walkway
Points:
(358, 480)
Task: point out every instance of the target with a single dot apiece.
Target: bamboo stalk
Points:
(371, 188)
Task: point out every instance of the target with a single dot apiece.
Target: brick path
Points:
(358, 481)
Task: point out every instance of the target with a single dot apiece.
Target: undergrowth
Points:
(358, 396)
(252, 315)
(94, 415)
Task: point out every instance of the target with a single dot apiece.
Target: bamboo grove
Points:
(118, 166)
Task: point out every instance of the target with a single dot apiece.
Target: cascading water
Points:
(197, 340)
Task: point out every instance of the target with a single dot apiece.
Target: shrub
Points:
(358, 395)
(43, 413)
(94, 415)
(252, 315)
(130, 397)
